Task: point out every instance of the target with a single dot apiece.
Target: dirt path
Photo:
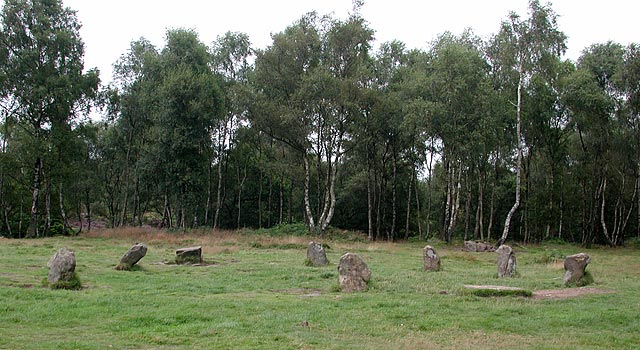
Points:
(566, 293)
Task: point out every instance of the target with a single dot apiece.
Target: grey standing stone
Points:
(190, 255)
(316, 254)
(473, 246)
(431, 259)
(132, 256)
(575, 266)
(353, 273)
(506, 261)
(62, 266)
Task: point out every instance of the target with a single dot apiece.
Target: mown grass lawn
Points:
(256, 293)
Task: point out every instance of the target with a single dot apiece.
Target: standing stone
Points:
(506, 261)
(132, 256)
(190, 255)
(431, 259)
(574, 266)
(353, 273)
(62, 266)
(316, 254)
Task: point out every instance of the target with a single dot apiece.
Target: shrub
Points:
(549, 257)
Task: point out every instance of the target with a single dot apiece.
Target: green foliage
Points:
(318, 127)
(282, 246)
(586, 280)
(550, 257)
(73, 283)
(282, 230)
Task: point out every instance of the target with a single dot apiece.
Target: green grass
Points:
(258, 297)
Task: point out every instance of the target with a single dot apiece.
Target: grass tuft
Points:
(550, 257)
(586, 280)
(500, 293)
(72, 284)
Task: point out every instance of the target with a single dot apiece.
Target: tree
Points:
(308, 81)
(190, 107)
(43, 80)
(521, 48)
(230, 55)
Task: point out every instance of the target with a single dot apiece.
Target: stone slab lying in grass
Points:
(497, 291)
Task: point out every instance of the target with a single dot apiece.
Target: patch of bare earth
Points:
(305, 292)
(566, 293)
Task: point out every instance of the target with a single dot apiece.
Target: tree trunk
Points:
(47, 201)
(260, 198)
(79, 213)
(406, 226)
(429, 180)
(418, 209)
(6, 221)
(307, 205)
(479, 228)
(370, 200)
(467, 206)
(447, 206)
(32, 231)
(281, 202)
(209, 183)
(394, 197)
(516, 204)
(87, 205)
(269, 201)
(455, 205)
(491, 212)
(330, 205)
(63, 213)
(221, 142)
(240, 186)
(603, 190)
(125, 185)
(526, 203)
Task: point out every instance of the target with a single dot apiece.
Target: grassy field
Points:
(256, 293)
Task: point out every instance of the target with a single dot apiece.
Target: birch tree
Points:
(522, 47)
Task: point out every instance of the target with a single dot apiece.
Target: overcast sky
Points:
(110, 25)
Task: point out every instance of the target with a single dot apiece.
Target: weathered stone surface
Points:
(189, 255)
(473, 246)
(506, 261)
(132, 256)
(62, 266)
(431, 259)
(575, 266)
(316, 254)
(353, 273)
